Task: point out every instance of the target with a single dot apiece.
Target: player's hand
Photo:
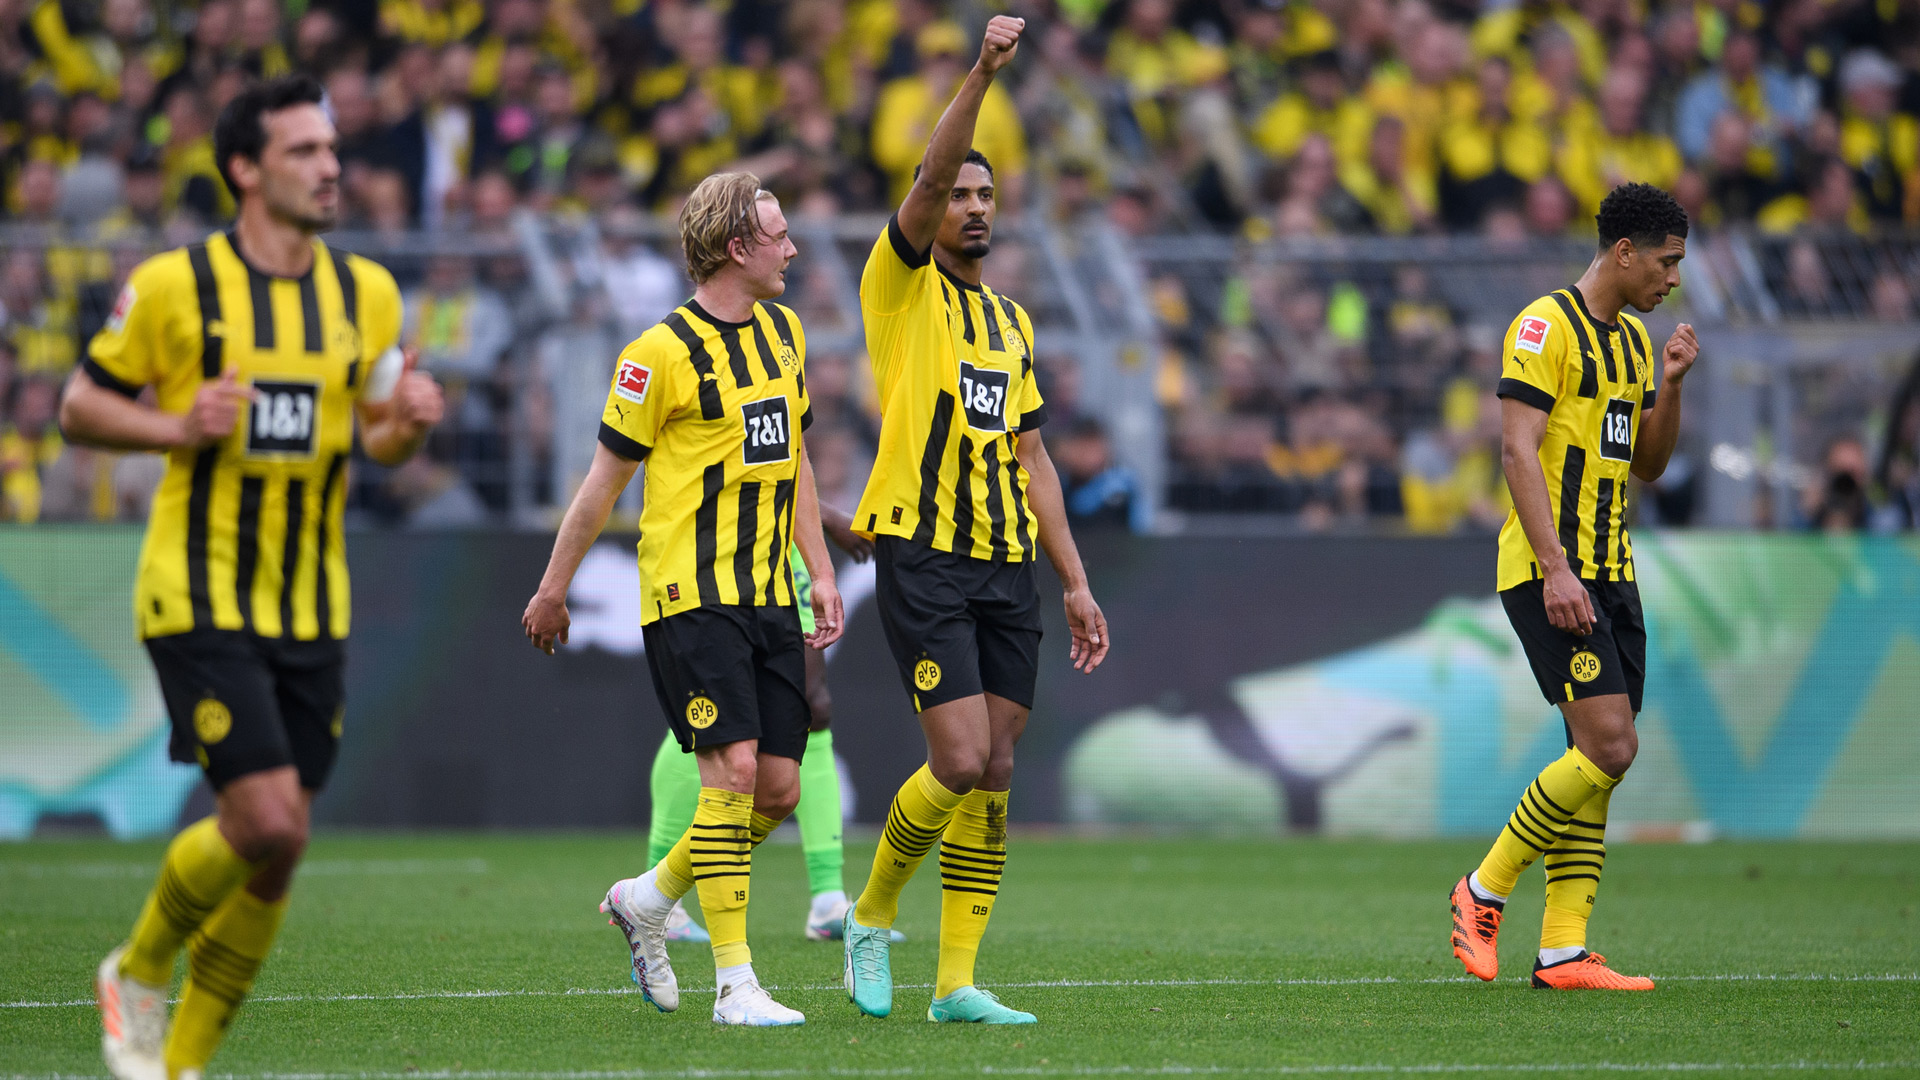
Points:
(1002, 40)
(417, 400)
(1681, 351)
(546, 621)
(1088, 625)
(829, 621)
(844, 538)
(1569, 607)
(216, 408)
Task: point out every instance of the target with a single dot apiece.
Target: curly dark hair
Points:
(1641, 213)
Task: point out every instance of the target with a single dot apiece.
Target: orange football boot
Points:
(1476, 932)
(1588, 971)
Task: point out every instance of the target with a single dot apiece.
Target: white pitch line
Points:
(1046, 984)
(1362, 1068)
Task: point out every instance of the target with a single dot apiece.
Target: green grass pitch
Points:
(410, 956)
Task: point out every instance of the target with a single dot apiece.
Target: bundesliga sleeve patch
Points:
(1532, 336)
(122, 308)
(632, 382)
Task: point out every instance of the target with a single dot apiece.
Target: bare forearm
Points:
(1050, 513)
(391, 442)
(585, 518)
(940, 167)
(1528, 486)
(1659, 434)
(808, 535)
(92, 415)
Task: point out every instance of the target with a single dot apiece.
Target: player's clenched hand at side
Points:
(216, 408)
(546, 621)
(1088, 625)
(1568, 606)
(1681, 351)
(1002, 41)
(417, 399)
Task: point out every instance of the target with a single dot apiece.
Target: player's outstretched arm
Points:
(93, 415)
(393, 429)
(546, 618)
(952, 137)
(807, 534)
(1660, 427)
(1522, 429)
(1085, 621)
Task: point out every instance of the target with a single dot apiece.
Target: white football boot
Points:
(133, 1019)
(744, 1004)
(640, 910)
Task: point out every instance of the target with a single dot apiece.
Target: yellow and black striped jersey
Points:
(953, 364)
(716, 409)
(1594, 381)
(245, 534)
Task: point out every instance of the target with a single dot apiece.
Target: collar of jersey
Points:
(1612, 327)
(233, 243)
(948, 274)
(708, 316)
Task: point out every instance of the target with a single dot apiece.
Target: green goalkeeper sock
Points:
(675, 790)
(819, 814)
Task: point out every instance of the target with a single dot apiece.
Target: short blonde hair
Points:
(724, 208)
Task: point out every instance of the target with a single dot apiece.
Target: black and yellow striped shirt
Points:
(716, 409)
(1595, 382)
(953, 364)
(245, 534)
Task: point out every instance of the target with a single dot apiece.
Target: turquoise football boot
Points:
(869, 971)
(972, 1005)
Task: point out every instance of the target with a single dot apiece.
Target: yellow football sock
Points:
(222, 959)
(719, 862)
(1573, 867)
(1560, 790)
(760, 826)
(200, 870)
(973, 852)
(919, 814)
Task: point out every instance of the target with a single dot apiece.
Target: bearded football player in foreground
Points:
(261, 346)
(1580, 412)
(961, 498)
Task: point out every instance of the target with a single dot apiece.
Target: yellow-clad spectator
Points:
(1594, 161)
(1425, 90)
(1510, 32)
(1322, 106)
(907, 109)
(1268, 36)
(1489, 155)
(1883, 145)
(193, 181)
(556, 31)
(29, 442)
(1400, 199)
(1832, 203)
(1552, 90)
(1452, 477)
(431, 22)
(39, 327)
(1158, 61)
(746, 95)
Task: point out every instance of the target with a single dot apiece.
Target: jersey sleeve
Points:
(1535, 348)
(805, 403)
(648, 382)
(382, 314)
(1033, 407)
(895, 272)
(131, 351)
(1651, 387)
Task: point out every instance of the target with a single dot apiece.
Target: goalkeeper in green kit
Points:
(675, 783)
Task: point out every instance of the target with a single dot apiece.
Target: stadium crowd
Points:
(1256, 118)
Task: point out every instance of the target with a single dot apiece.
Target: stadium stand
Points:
(1270, 243)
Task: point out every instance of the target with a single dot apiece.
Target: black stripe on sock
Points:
(1600, 825)
(1551, 880)
(997, 852)
(1565, 813)
(1524, 840)
(1541, 812)
(1563, 864)
(981, 892)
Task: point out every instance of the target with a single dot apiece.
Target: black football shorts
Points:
(958, 625)
(1569, 667)
(244, 704)
(732, 672)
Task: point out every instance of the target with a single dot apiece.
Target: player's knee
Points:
(960, 771)
(999, 771)
(269, 834)
(1615, 754)
(778, 804)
